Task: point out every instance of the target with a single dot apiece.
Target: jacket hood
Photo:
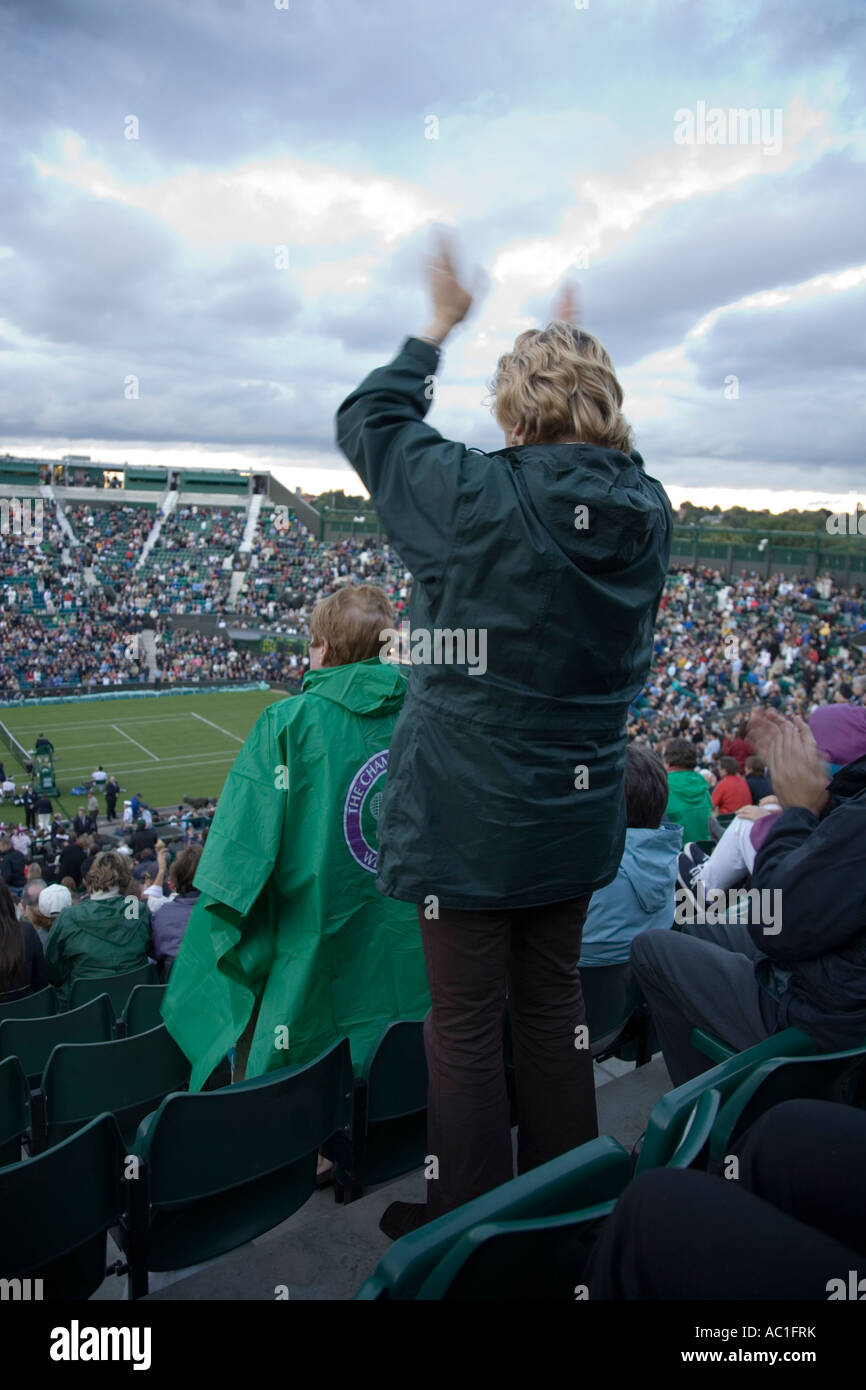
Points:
(622, 502)
(648, 862)
(371, 688)
(689, 787)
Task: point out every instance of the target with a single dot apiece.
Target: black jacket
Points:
(818, 864)
(505, 778)
(13, 868)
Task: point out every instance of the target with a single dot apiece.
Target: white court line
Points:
(173, 764)
(216, 726)
(136, 742)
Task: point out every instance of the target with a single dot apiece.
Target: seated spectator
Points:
(171, 922)
(290, 930)
(106, 933)
(756, 776)
(642, 894)
(142, 839)
(739, 748)
(689, 803)
(72, 856)
(150, 874)
(22, 965)
(840, 733)
(790, 1228)
(28, 906)
(732, 791)
(13, 865)
(800, 959)
(20, 840)
(79, 824)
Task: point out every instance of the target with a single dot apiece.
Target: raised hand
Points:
(566, 304)
(451, 300)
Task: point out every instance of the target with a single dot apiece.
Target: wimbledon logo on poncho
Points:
(361, 810)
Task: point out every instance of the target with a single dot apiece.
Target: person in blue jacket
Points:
(643, 894)
(538, 570)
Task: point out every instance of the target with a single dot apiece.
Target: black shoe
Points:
(403, 1217)
(689, 866)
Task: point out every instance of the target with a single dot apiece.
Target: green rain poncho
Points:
(289, 913)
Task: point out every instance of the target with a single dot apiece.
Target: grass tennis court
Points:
(164, 747)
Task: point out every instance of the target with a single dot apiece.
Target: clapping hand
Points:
(800, 774)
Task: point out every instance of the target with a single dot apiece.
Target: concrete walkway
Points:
(326, 1251)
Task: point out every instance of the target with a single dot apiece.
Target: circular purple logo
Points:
(361, 811)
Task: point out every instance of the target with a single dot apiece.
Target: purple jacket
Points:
(169, 925)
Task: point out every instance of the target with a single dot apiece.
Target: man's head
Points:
(346, 626)
(556, 385)
(680, 755)
(646, 787)
(729, 766)
(32, 888)
(755, 766)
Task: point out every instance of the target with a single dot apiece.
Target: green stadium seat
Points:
(57, 1209)
(32, 1040)
(836, 1076)
(389, 1113)
(117, 987)
(142, 1010)
(682, 1111)
(14, 1110)
(789, 1042)
(38, 1005)
(127, 1077)
(219, 1168)
(587, 1181)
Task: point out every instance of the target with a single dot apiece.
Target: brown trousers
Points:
(473, 958)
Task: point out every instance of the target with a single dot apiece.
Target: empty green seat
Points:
(389, 1116)
(675, 1111)
(117, 987)
(218, 1168)
(32, 1040)
(14, 1110)
(586, 1180)
(142, 1010)
(836, 1076)
(38, 1005)
(127, 1077)
(57, 1208)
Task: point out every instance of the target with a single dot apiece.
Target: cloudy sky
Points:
(231, 201)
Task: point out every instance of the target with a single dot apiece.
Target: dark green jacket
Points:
(105, 936)
(481, 807)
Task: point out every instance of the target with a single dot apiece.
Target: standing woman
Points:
(541, 567)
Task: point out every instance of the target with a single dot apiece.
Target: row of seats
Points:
(522, 1239)
(205, 1173)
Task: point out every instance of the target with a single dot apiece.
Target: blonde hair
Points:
(107, 871)
(351, 620)
(560, 383)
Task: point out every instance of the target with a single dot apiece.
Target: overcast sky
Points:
(727, 280)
